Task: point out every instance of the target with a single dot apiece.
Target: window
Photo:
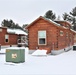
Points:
(0, 30)
(70, 35)
(75, 37)
(67, 26)
(42, 41)
(42, 37)
(67, 34)
(61, 33)
(6, 38)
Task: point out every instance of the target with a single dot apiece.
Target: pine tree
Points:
(73, 13)
(50, 15)
(10, 24)
(71, 17)
(65, 16)
(24, 26)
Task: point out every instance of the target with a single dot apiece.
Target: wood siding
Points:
(54, 39)
(12, 38)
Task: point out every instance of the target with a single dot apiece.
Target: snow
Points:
(56, 52)
(73, 30)
(64, 21)
(64, 27)
(40, 52)
(52, 22)
(63, 64)
(4, 49)
(16, 31)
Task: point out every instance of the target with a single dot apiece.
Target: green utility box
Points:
(15, 55)
(74, 48)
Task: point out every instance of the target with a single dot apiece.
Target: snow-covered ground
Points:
(63, 64)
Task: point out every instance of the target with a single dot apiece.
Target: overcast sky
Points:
(25, 11)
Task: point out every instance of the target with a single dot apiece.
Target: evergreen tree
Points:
(10, 24)
(24, 26)
(65, 16)
(73, 13)
(50, 15)
(71, 17)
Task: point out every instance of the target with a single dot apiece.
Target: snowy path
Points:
(64, 63)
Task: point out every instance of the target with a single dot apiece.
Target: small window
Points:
(6, 38)
(41, 37)
(0, 30)
(75, 37)
(61, 33)
(67, 26)
(41, 40)
(67, 34)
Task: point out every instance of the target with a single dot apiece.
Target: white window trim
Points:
(7, 38)
(45, 39)
(62, 32)
(0, 30)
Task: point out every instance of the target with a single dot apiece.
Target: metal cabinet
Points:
(15, 55)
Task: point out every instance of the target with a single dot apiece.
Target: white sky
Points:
(25, 11)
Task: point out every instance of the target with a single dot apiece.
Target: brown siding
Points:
(12, 38)
(54, 40)
(61, 39)
(2, 36)
(64, 23)
(51, 32)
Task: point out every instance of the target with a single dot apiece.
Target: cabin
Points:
(53, 36)
(10, 37)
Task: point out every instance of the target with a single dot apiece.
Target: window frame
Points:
(0, 29)
(67, 26)
(75, 37)
(6, 38)
(42, 38)
(61, 33)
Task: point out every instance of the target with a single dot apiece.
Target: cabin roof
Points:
(48, 20)
(16, 31)
(64, 21)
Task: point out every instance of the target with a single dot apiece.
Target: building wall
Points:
(64, 23)
(74, 38)
(54, 39)
(2, 36)
(68, 40)
(12, 38)
(61, 39)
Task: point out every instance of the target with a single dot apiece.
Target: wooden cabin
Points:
(50, 35)
(9, 37)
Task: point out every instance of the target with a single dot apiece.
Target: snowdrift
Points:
(39, 53)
